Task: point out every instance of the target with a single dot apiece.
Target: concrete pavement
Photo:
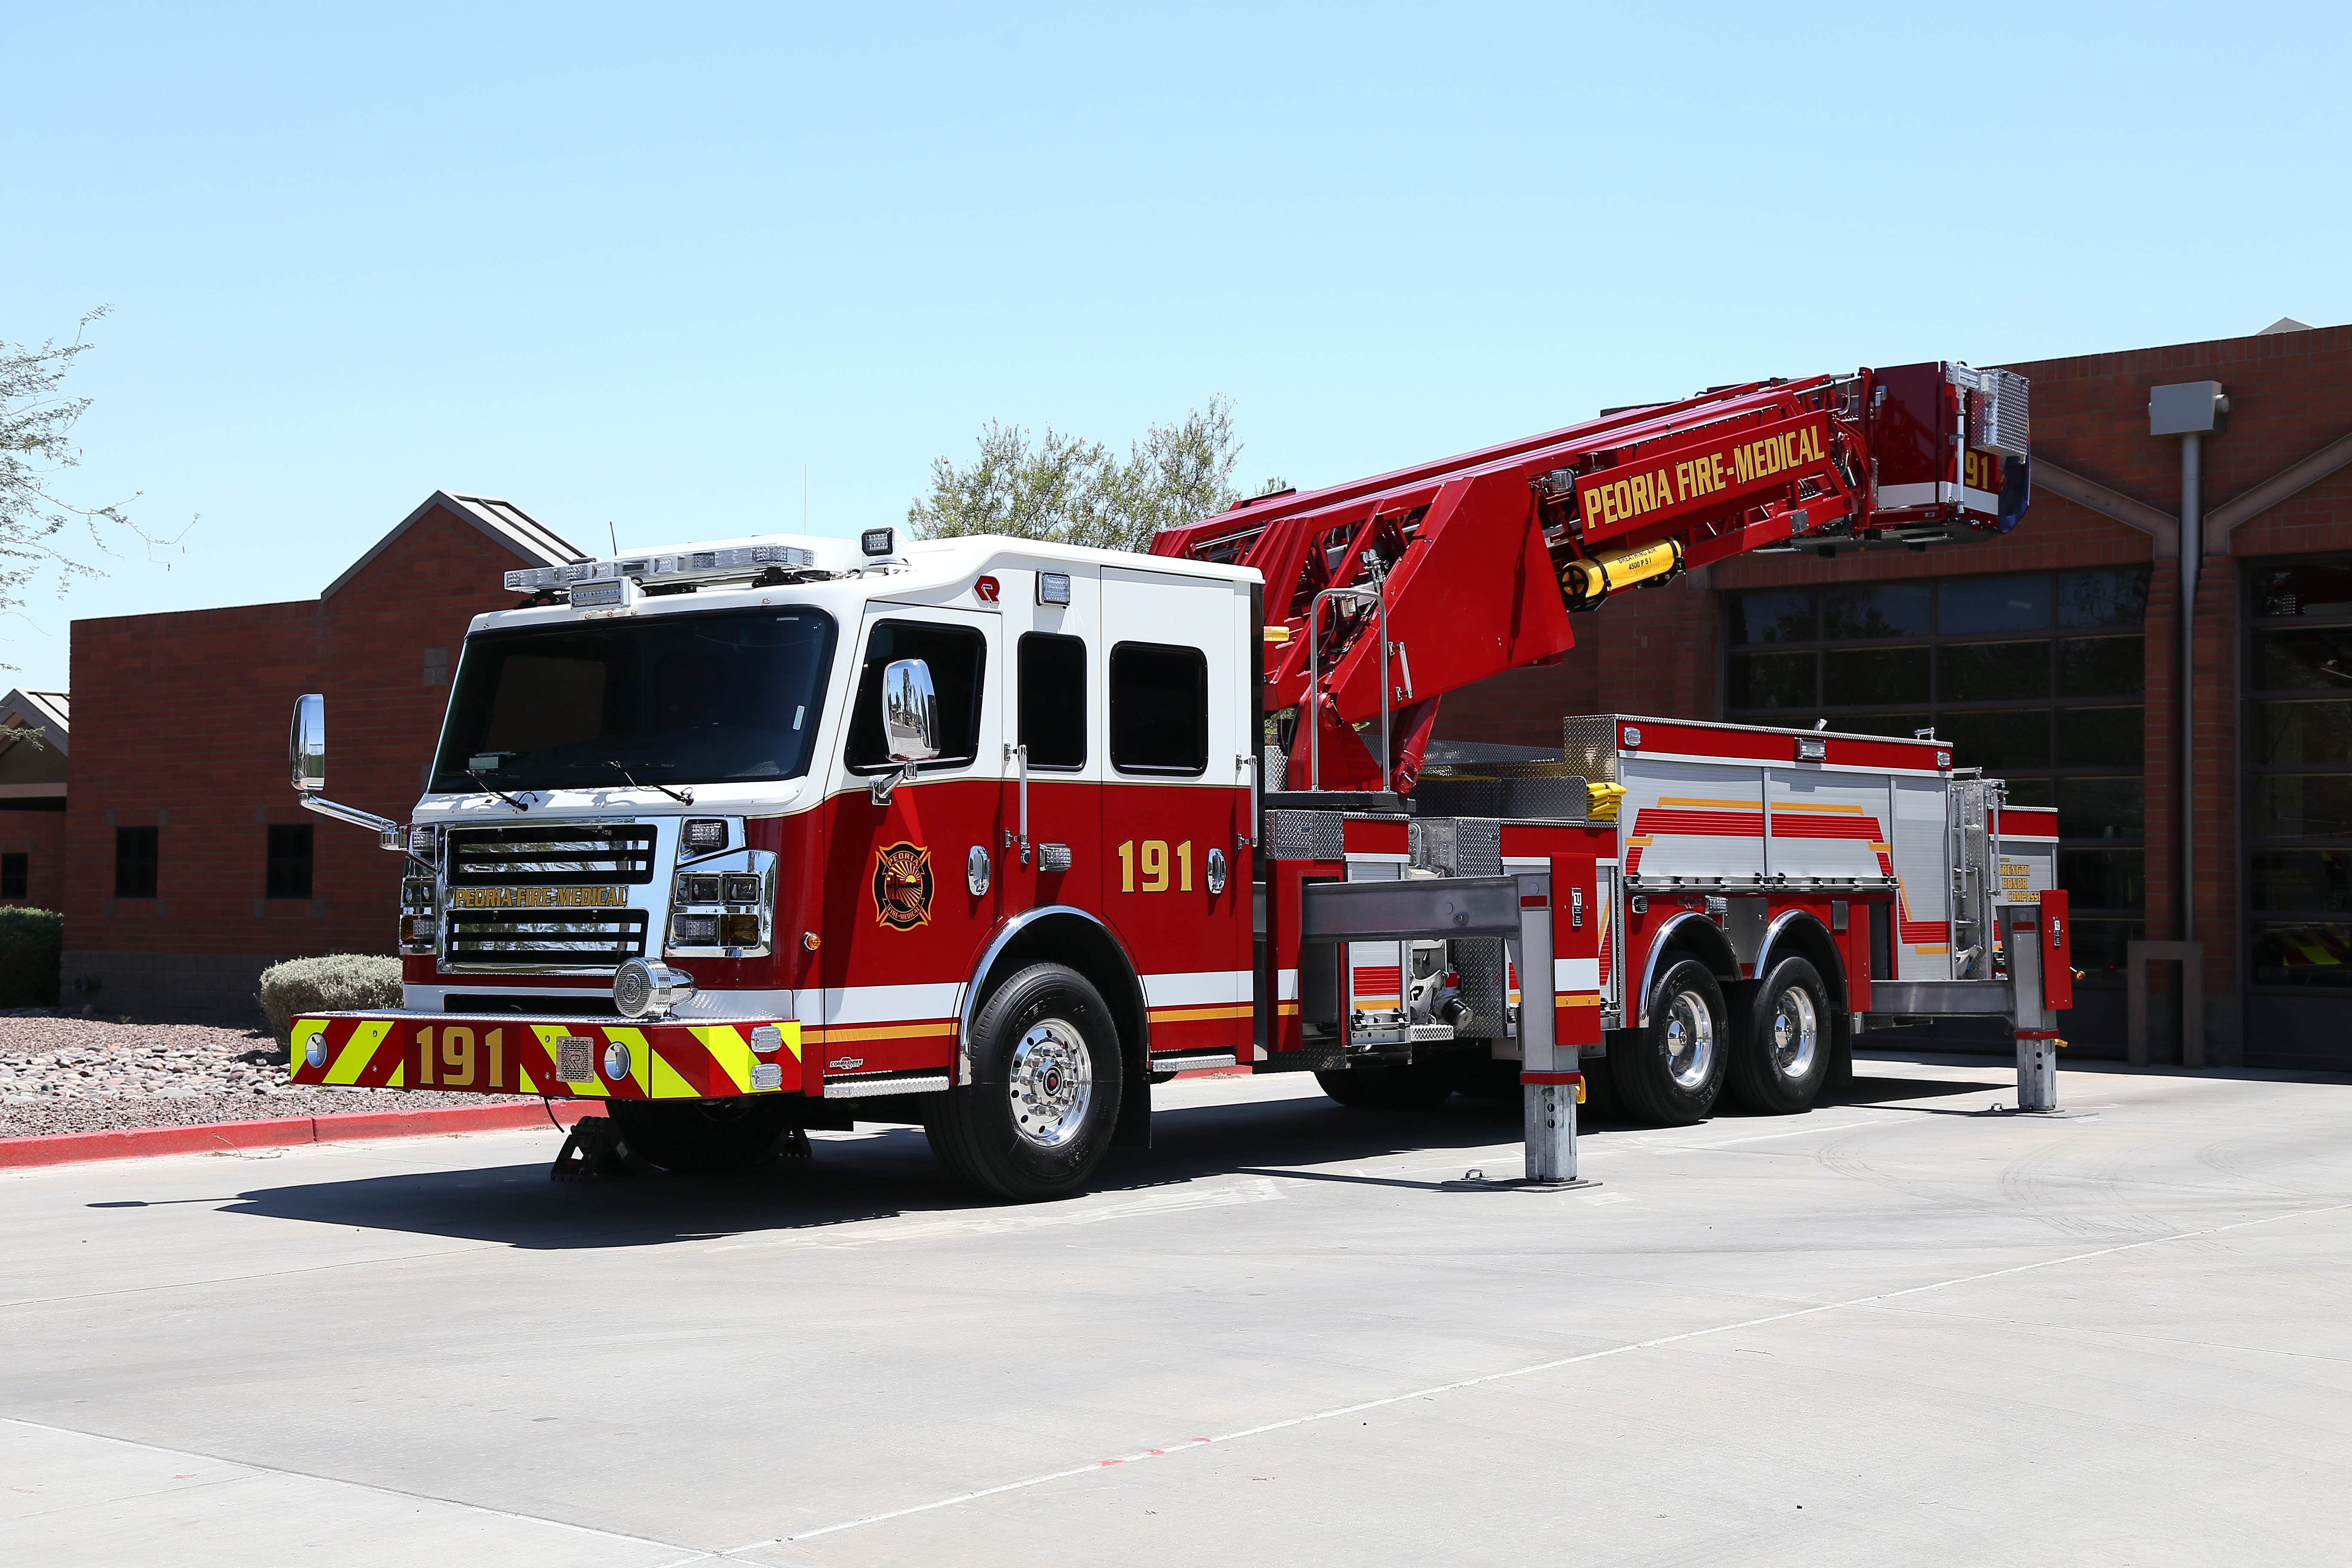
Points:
(1903, 1328)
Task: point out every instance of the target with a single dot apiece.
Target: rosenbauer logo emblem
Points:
(902, 886)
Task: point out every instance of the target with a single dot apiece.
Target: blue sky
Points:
(691, 270)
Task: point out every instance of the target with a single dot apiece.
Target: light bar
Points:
(731, 563)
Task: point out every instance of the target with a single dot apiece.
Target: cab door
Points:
(1176, 800)
(902, 925)
(1053, 721)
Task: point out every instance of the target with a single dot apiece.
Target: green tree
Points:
(1077, 491)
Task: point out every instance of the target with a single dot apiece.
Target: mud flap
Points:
(1134, 1128)
(1839, 1077)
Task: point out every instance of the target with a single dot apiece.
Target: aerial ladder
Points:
(1384, 594)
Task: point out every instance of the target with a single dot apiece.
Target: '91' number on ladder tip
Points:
(1151, 858)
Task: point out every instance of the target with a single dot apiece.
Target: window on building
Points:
(958, 660)
(2298, 787)
(16, 876)
(2035, 677)
(1054, 699)
(290, 859)
(1158, 708)
(134, 862)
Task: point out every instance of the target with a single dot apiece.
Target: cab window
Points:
(1054, 699)
(1158, 708)
(958, 657)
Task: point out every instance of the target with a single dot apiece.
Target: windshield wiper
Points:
(679, 795)
(495, 790)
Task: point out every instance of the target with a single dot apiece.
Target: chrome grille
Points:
(552, 857)
(564, 938)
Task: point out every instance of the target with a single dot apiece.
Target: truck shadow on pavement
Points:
(886, 1174)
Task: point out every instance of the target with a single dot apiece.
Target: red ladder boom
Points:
(1477, 561)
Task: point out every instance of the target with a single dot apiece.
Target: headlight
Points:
(698, 889)
(743, 889)
(694, 931)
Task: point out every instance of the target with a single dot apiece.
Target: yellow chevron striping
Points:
(525, 1083)
(662, 1080)
(399, 1069)
(729, 1049)
(305, 1030)
(359, 1050)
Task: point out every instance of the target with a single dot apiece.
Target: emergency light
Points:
(685, 566)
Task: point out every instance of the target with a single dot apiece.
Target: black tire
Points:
(699, 1136)
(1423, 1085)
(1046, 1078)
(1672, 1072)
(1781, 1056)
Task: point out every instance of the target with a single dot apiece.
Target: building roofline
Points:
(502, 519)
(55, 709)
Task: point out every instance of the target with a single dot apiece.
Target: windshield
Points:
(671, 700)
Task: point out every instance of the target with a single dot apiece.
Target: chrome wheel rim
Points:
(1052, 1083)
(1796, 1032)
(1689, 1039)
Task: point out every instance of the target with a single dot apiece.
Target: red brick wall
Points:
(181, 719)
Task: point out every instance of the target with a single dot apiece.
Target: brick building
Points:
(33, 797)
(2051, 657)
(189, 866)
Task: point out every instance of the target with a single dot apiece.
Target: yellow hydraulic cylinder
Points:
(1601, 575)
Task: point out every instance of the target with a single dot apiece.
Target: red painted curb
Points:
(215, 1137)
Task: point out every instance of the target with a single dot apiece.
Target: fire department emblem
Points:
(902, 886)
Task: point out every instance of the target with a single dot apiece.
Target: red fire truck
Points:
(752, 836)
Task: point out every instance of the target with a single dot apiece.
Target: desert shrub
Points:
(31, 944)
(341, 981)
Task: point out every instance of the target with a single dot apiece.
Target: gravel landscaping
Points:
(65, 1073)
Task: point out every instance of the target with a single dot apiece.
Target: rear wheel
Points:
(1672, 1072)
(699, 1135)
(1421, 1087)
(1047, 1077)
(1783, 1053)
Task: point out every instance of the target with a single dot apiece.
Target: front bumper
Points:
(567, 1059)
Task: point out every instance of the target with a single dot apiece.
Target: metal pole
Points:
(1550, 1106)
(2192, 557)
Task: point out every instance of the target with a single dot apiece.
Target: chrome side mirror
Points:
(910, 711)
(307, 745)
(909, 723)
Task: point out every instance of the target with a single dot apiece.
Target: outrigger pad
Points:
(593, 1151)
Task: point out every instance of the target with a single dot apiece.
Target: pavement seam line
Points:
(248, 1465)
(1554, 1366)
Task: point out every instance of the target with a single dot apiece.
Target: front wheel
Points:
(1672, 1071)
(1037, 1116)
(1783, 1053)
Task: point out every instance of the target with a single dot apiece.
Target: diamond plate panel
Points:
(1304, 836)
(1589, 742)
